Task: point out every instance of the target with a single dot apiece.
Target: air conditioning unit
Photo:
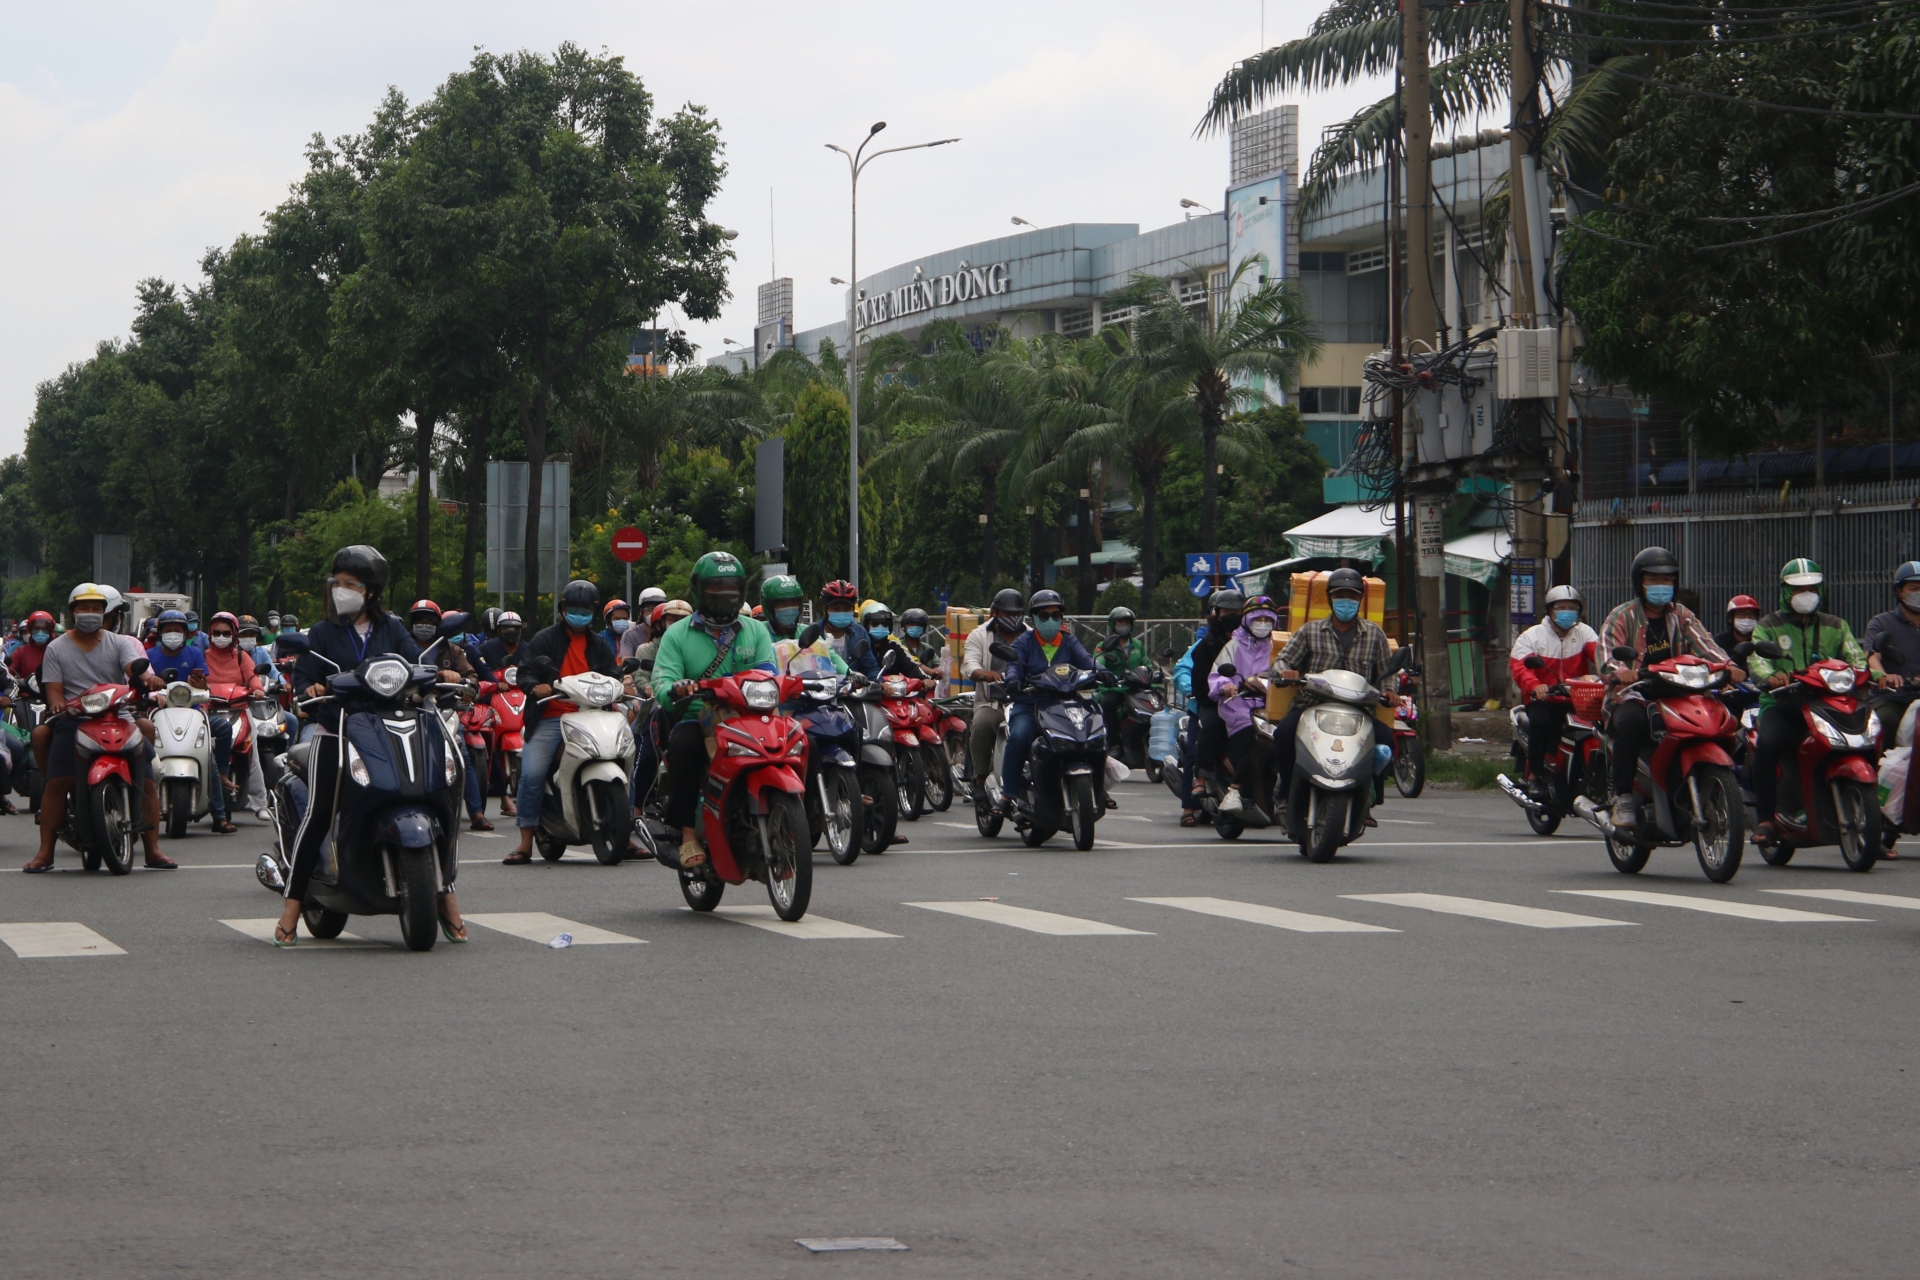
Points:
(1529, 361)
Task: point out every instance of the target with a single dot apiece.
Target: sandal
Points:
(224, 827)
(480, 823)
(38, 868)
(1187, 819)
(692, 855)
(161, 862)
(283, 937)
(446, 931)
(518, 858)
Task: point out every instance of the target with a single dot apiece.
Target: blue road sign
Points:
(1232, 562)
(1201, 585)
(1199, 562)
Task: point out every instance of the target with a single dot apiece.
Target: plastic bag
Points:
(1117, 772)
(1893, 783)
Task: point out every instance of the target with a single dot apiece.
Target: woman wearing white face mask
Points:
(1805, 636)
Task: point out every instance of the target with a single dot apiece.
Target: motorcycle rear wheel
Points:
(1410, 772)
(701, 890)
(611, 838)
(113, 824)
(938, 789)
(840, 823)
(984, 817)
(419, 900)
(1857, 811)
(911, 783)
(1780, 853)
(881, 800)
(322, 922)
(550, 849)
(1547, 821)
(790, 859)
(179, 807)
(1034, 837)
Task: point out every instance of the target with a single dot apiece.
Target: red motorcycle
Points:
(235, 700)
(505, 705)
(753, 820)
(1576, 764)
(919, 758)
(1409, 752)
(106, 810)
(1832, 776)
(1684, 786)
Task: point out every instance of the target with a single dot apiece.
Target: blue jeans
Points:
(1023, 725)
(537, 758)
(222, 726)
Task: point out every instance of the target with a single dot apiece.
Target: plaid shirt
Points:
(1318, 647)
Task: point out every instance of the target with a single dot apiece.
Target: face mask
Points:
(1565, 619)
(89, 622)
(248, 644)
(915, 633)
(220, 642)
(1346, 609)
(41, 637)
(1805, 601)
(1005, 625)
(620, 624)
(1911, 599)
(786, 617)
(347, 602)
(578, 619)
(1660, 595)
(841, 619)
(509, 638)
(1123, 629)
(1744, 625)
(878, 631)
(170, 641)
(424, 631)
(1260, 630)
(1047, 627)
(193, 628)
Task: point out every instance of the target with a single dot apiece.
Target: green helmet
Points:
(719, 586)
(783, 587)
(1799, 575)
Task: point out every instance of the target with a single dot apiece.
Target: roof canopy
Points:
(1351, 533)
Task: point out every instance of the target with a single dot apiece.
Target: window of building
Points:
(1078, 323)
(1366, 260)
(1343, 401)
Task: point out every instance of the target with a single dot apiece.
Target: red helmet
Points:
(423, 606)
(616, 604)
(40, 617)
(232, 621)
(839, 589)
(1743, 602)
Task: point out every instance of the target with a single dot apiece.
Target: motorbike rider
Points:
(1005, 623)
(1893, 637)
(1342, 641)
(782, 595)
(26, 659)
(82, 657)
(1249, 651)
(356, 627)
(916, 632)
(504, 649)
(567, 648)
(194, 636)
(890, 653)
(1805, 636)
(1743, 615)
(1210, 741)
(664, 615)
(717, 639)
(1569, 648)
(1048, 643)
(1118, 654)
(225, 664)
(617, 617)
(423, 624)
(1656, 627)
(843, 635)
(642, 629)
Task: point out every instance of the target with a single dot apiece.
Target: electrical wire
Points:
(1737, 11)
(1831, 112)
(1726, 41)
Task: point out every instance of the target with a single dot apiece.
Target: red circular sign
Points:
(629, 544)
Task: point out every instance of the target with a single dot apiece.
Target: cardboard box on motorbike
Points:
(1307, 600)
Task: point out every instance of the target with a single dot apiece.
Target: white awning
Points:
(1350, 532)
(1479, 555)
(1254, 581)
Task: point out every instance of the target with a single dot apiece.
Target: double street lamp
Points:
(857, 161)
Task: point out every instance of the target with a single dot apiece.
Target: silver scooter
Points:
(589, 796)
(1334, 764)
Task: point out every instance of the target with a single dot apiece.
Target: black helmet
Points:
(1120, 613)
(1046, 598)
(364, 563)
(1008, 600)
(490, 620)
(913, 618)
(1227, 600)
(580, 594)
(1346, 580)
(1652, 560)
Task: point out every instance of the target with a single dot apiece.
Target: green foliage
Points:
(1274, 486)
(1121, 595)
(1171, 599)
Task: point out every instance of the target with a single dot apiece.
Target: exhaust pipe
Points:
(1518, 793)
(1593, 813)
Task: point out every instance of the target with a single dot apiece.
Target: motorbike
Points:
(917, 751)
(1331, 791)
(833, 759)
(1409, 752)
(880, 796)
(955, 723)
(393, 843)
(1258, 796)
(1576, 764)
(589, 797)
(183, 764)
(1066, 771)
(1828, 792)
(506, 705)
(1128, 733)
(106, 810)
(1683, 785)
(28, 712)
(269, 734)
(987, 815)
(753, 818)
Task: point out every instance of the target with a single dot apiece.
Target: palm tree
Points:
(1178, 353)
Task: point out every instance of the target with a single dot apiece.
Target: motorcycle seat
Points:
(297, 756)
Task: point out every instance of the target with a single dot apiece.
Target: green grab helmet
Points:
(1798, 575)
(781, 587)
(719, 586)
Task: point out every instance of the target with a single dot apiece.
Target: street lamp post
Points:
(857, 161)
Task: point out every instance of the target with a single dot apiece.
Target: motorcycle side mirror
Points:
(1742, 650)
(646, 664)
(1624, 653)
(452, 624)
(1766, 649)
(630, 666)
(1534, 662)
(1003, 651)
(292, 642)
(262, 661)
(137, 668)
(1229, 671)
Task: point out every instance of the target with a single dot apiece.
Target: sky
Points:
(134, 137)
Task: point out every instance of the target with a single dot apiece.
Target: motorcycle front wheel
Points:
(789, 857)
(839, 823)
(938, 788)
(1856, 810)
(179, 807)
(419, 900)
(984, 817)
(1083, 808)
(881, 800)
(1410, 771)
(1329, 827)
(1719, 823)
(114, 825)
(614, 806)
(911, 783)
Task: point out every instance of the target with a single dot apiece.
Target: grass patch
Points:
(1469, 773)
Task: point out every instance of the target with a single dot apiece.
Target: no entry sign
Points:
(629, 544)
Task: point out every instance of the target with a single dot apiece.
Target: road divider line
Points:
(1855, 895)
(1504, 912)
(1026, 918)
(262, 931)
(45, 939)
(1255, 913)
(538, 926)
(1716, 906)
(808, 928)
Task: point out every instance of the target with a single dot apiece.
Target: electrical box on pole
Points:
(1529, 363)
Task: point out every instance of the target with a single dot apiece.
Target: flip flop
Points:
(164, 864)
(41, 869)
(517, 859)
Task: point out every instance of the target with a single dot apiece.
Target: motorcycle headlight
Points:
(180, 695)
(761, 695)
(1839, 680)
(94, 703)
(1692, 676)
(737, 749)
(623, 742)
(1338, 721)
(356, 767)
(386, 678)
(799, 747)
(577, 738)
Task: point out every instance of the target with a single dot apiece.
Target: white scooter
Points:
(183, 756)
(589, 797)
(1334, 764)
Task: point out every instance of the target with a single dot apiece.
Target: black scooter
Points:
(394, 844)
(1067, 767)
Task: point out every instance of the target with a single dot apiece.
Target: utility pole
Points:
(1423, 326)
(1531, 481)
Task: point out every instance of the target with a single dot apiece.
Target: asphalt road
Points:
(1158, 1091)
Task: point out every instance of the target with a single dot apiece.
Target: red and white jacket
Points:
(1568, 656)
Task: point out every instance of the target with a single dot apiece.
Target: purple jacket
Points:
(1249, 655)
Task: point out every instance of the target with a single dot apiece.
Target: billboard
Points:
(1257, 234)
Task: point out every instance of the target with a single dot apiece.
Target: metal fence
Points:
(1734, 543)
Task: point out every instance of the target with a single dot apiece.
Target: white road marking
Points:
(262, 931)
(216, 866)
(484, 835)
(1404, 822)
(538, 926)
(958, 826)
(1714, 906)
(1255, 913)
(1505, 912)
(1028, 919)
(55, 938)
(1854, 895)
(810, 927)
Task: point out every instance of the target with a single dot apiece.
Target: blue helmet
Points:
(170, 615)
(1908, 572)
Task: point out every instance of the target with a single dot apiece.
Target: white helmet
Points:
(91, 591)
(1564, 594)
(649, 598)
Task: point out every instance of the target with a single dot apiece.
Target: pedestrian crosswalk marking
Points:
(1255, 913)
(1028, 919)
(262, 931)
(1855, 895)
(47, 938)
(1505, 912)
(1714, 906)
(810, 928)
(538, 926)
